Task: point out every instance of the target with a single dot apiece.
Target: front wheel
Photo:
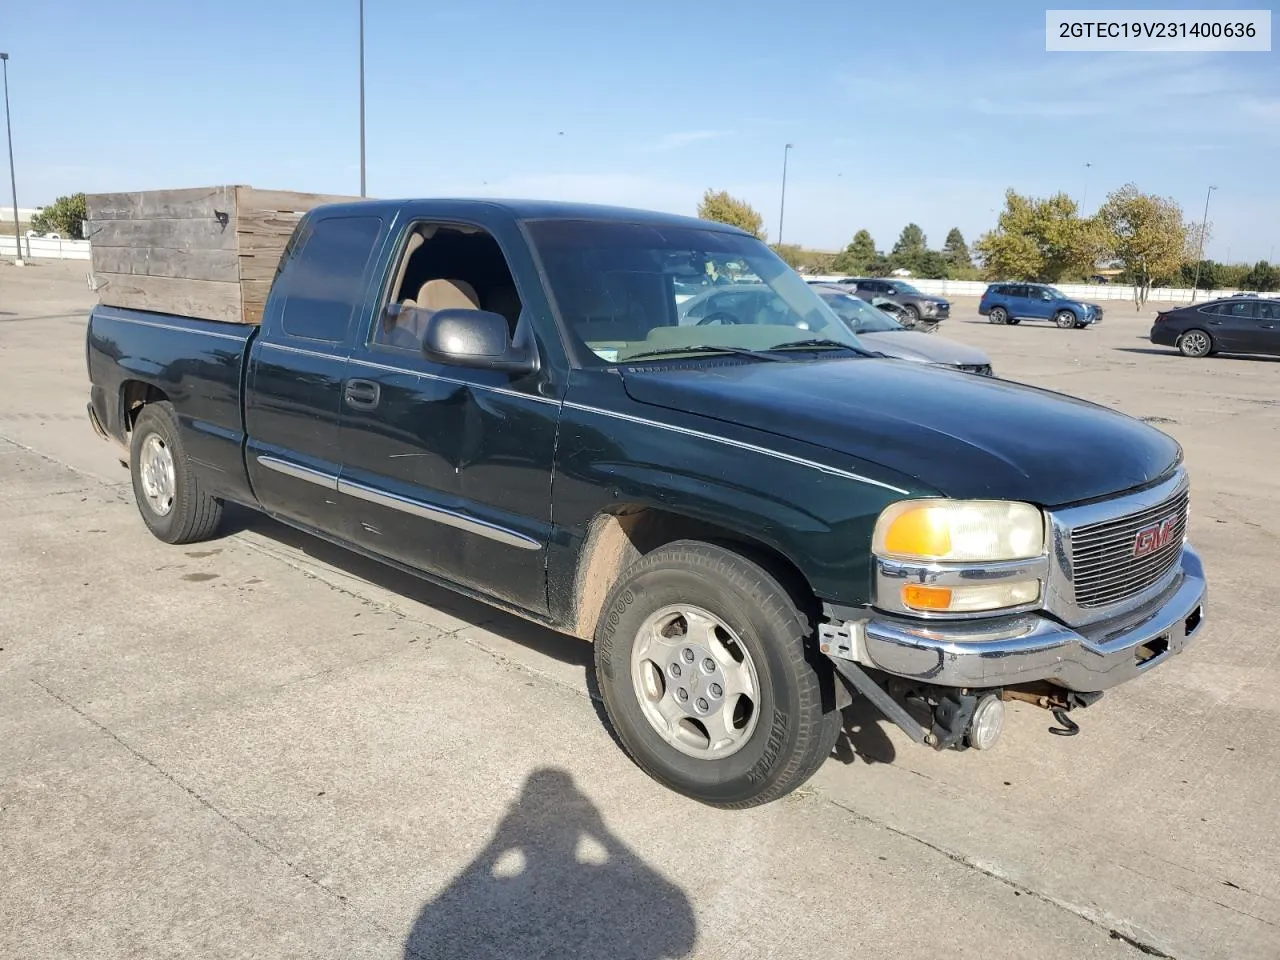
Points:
(703, 668)
(998, 315)
(1065, 319)
(1195, 343)
(911, 316)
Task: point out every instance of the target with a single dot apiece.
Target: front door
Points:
(445, 469)
(1041, 304)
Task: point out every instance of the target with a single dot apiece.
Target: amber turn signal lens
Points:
(921, 597)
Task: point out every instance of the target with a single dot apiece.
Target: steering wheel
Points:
(720, 316)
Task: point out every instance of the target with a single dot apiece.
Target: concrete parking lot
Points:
(264, 747)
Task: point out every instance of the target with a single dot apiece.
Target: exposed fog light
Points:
(988, 721)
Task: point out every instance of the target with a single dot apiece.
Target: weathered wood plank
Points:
(163, 262)
(173, 234)
(261, 267)
(189, 204)
(251, 199)
(207, 299)
(254, 293)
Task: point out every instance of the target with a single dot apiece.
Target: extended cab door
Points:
(448, 469)
(295, 378)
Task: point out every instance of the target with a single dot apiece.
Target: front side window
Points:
(615, 285)
(323, 277)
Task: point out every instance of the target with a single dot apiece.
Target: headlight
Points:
(959, 558)
(959, 531)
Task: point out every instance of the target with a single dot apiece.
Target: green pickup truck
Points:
(745, 514)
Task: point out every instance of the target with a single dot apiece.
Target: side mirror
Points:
(476, 338)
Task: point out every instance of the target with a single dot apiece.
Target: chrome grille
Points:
(1103, 560)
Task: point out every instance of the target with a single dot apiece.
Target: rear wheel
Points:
(998, 315)
(703, 666)
(1065, 319)
(173, 504)
(1195, 343)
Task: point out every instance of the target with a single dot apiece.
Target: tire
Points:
(1065, 319)
(912, 316)
(1196, 344)
(998, 315)
(734, 615)
(169, 496)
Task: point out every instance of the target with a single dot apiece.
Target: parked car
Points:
(915, 304)
(878, 331)
(751, 522)
(1229, 325)
(1014, 302)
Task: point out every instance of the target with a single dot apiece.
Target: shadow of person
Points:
(555, 882)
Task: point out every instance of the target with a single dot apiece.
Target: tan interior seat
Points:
(436, 295)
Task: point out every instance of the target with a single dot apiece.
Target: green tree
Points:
(858, 256)
(719, 206)
(1146, 234)
(1263, 277)
(65, 217)
(932, 265)
(1040, 239)
(955, 251)
(910, 248)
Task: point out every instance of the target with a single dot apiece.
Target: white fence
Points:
(41, 248)
(1085, 291)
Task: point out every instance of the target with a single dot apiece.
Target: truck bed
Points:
(198, 364)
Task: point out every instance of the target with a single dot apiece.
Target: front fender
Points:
(812, 506)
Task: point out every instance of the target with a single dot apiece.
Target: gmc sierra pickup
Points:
(499, 396)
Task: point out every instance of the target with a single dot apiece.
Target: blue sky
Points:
(903, 112)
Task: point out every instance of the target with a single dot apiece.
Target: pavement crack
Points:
(1134, 939)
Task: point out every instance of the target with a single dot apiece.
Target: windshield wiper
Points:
(735, 351)
(818, 343)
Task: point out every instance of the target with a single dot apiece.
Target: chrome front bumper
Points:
(1031, 647)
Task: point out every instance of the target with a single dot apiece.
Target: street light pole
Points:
(13, 178)
(1085, 199)
(783, 208)
(362, 183)
(1204, 224)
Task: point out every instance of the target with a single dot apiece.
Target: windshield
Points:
(1055, 293)
(861, 316)
(906, 288)
(626, 289)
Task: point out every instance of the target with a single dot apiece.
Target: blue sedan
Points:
(1014, 302)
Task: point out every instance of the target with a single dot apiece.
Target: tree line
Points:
(1036, 239)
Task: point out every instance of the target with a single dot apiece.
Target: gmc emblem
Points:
(1152, 538)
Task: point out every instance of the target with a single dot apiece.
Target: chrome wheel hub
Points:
(695, 681)
(156, 471)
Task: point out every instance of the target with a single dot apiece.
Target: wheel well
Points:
(619, 537)
(134, 395)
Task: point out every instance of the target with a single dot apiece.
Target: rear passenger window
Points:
(323, 281)
(1268, 311)
(1235, 308)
